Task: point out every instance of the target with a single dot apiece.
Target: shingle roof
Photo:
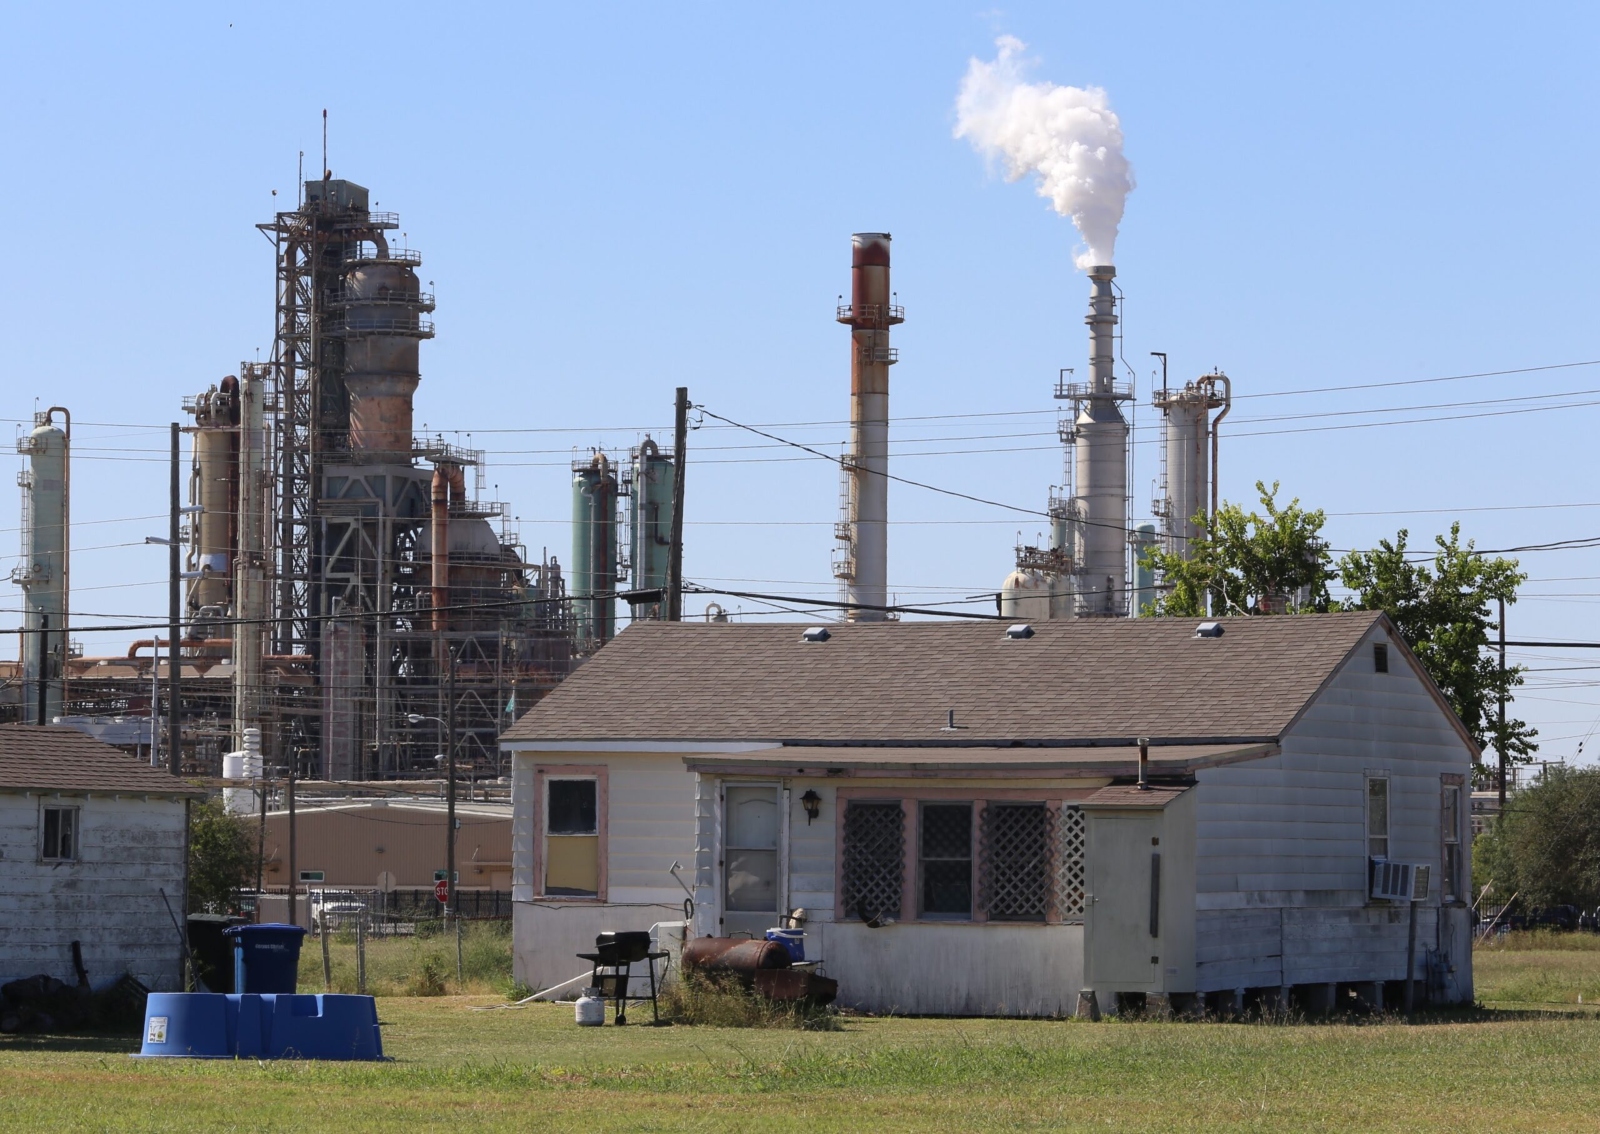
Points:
(58, 758)
(1098, 759)
(1073, 682)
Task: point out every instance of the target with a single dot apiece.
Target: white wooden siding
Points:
(1281, 847)
(109, 900)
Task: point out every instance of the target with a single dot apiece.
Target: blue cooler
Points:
(266, 958)
(793, 942)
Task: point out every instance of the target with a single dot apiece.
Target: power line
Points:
(887, 476)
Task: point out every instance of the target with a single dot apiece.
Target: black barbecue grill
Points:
(615, 954)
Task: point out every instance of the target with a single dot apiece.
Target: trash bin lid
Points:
(269, 928)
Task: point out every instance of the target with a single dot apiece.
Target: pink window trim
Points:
(909, 799)
(602, 806)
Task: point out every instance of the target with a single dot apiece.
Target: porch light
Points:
(812, 802)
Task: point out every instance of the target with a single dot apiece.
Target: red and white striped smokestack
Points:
(869, 315)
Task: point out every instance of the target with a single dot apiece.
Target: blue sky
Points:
(616, 201)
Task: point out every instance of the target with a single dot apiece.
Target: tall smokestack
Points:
(1100, 463)
(863, 566)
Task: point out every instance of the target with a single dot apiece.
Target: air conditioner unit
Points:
(1397, 881)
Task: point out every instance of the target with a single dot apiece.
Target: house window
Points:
(1380, 657)
(874, 859)
(1016, 861)
(945, 861)
(1450, 827)
(751, 849)
(59, 834)
(1378, 817)
(572, 838)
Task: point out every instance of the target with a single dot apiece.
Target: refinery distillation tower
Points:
(347, 591)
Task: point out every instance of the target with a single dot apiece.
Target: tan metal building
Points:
(386, 844)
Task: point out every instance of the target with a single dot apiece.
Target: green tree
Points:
(1444, 612)
(222, 857)
(1247, 563)
(1545, 847)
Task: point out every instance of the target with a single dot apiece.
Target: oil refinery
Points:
(350, 598)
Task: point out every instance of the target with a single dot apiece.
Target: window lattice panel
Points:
(1016, 861)
(874, 859)
(1071, 881)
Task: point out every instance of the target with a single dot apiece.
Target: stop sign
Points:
(441, 890)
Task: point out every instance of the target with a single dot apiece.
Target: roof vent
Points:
(1020, 631)
(1208, 630)
(815, 634)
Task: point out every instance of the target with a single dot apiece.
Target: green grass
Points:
(1538, 969)
(423, 965)
(454, 1067)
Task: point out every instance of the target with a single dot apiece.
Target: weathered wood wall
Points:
(130, 849)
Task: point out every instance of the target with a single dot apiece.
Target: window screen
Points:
(1017, 861)
(874, 859)
(1450, 827)
(1378, 818)
(573, 808)
(1380, 657)
(60, 834)
(946, 860)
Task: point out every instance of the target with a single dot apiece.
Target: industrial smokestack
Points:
(1100, 462)
(863, 565)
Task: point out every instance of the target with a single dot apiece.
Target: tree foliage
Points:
(222, 857)
(1545, 847)
(1444, 611)
(1250, 563)
(1247, 563)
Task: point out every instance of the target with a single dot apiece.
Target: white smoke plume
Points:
(1068, 136)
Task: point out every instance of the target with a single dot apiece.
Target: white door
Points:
(1123, 926)
(750, 860)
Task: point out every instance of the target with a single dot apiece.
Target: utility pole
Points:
(294, 864)
(174, 672)
(451, 913)
(680, 445)
(1500, 740)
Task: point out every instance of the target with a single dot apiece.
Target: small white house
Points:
(89, 840)
(957, 808)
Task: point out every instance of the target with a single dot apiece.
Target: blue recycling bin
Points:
(266, 958)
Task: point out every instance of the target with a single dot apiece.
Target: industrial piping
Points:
(865, 532)
(449, 486)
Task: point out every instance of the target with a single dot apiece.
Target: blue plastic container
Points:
(792, 940)
(266, 958)
(205, 1025)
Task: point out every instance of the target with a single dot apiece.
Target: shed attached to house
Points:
(89, 840)
(956, 810)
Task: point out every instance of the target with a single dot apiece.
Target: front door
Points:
(750, 885)
(1123, 931)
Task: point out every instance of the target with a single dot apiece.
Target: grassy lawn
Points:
(1532, 1067)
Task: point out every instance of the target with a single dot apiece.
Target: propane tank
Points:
(590, 1010)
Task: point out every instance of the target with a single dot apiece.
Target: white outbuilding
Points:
(90, 840)
(981, 819)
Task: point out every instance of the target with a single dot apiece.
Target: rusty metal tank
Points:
(738, 957)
